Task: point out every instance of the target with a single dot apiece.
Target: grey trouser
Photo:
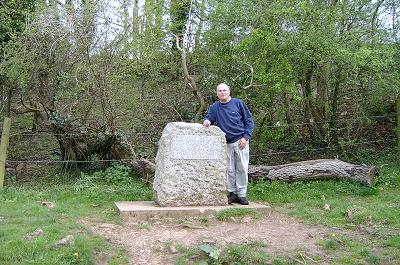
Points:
(238, 164)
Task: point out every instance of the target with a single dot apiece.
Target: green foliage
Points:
(360, 252)
(370, 257)
(145, 226)
(307, 199)
(187, 254)
(116, 175)
(86, 181)
(13, 15)
(119, 174)
(212, 251)
(58, 119)
(299, 62)
(179, 11)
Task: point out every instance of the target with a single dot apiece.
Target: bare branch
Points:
(251, 78)
(28, 108)
(170, 107)
(21, 110)
(177, 43)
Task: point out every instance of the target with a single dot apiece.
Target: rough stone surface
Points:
(191, 166)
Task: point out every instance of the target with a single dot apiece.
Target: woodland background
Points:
(91, 82)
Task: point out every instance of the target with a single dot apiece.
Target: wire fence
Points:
(294, 148)
(364, 119)
(66, 161)
(145, 133)
(364, 143)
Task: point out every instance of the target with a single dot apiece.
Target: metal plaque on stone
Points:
(196, 147)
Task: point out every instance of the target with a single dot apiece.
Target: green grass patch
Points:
(255, 253)
(393, 242)
(193, 255)
(119, 258)
(329, 244)
(243, 254)
(306, 199)
(22, 212)
(345, 250)
(232, 254)
(374, 210)
(226, 214)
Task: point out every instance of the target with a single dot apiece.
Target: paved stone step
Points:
(147, 210)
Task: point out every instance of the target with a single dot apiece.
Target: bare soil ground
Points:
(157, 242)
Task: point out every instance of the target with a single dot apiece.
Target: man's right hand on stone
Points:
(206, 123)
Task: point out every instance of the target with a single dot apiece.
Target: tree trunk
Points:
(135, 18)
(191, 82)
(288, 111)
(322, 94)
(309, 111)
(334, 109)
(313, 170)
(179, 13)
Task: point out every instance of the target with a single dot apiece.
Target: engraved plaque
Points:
(196, 147)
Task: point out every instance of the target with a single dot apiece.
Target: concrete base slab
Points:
(147, 210)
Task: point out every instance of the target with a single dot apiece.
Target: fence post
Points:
(5, 136)
(398, 123)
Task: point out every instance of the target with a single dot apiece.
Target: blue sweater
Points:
(233, 117)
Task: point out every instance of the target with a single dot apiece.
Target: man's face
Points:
(223, 93)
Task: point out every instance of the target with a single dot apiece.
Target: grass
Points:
(232, 254)
(227, 214)
(374, 210)
(244, 254)
(344, 250)
(22, 212)
(371, 234)
(306, 199)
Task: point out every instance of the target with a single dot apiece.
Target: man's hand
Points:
(206, 123)
(242, 143)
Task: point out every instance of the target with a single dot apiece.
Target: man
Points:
(235, 120)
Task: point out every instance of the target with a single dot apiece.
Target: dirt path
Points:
(156, 242)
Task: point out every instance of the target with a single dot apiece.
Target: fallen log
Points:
(145, 168)
(314, 170)
(304, 170)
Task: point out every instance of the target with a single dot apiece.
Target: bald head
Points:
(223, 93)
(223, 85)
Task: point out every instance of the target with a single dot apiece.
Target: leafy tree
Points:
(64, 66)
(13, 16)
(303, 67)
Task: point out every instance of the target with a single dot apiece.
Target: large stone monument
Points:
(191, 166)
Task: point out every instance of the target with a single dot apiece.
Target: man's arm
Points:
(209, 119)
(247, 121)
